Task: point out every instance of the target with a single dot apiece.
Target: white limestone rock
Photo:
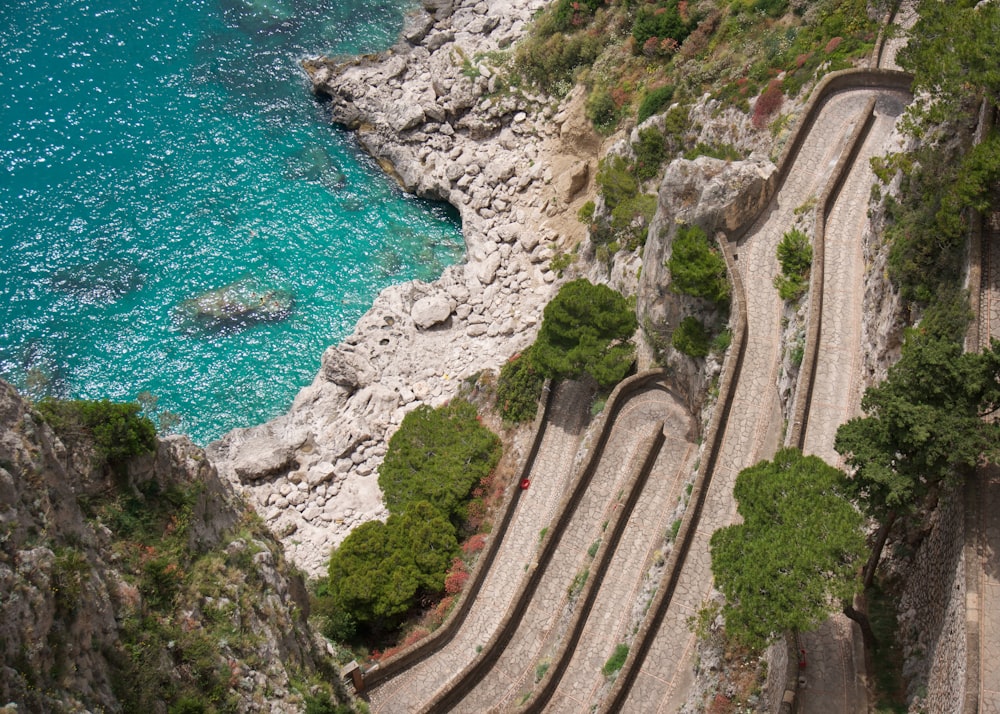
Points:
(430, 311)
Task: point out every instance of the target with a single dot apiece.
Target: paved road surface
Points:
(411, 689)
(755, 423)
(612, 620)
(513, 672)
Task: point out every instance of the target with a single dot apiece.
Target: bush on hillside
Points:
(655, 101)
(438, 456)
(696, 267)
(380, 571)
(650, 151)
(118, 431)
(519, 388)
(691, 338)
(661, 21)
(586, 330)
(795, 258)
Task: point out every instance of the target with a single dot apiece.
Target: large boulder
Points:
(416, 27)
(431, 310)
(440, 9)
(262, 457)
(345, 369)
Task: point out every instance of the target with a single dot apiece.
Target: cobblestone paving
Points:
(987, 606)
(514, 670)
(755, 422)
(905, 17)
(837, 386)
(642, 542)
(989, 593)
(989, 305)
(414, 687)
(833, 682)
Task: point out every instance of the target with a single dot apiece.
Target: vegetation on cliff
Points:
(116, 431)
(147, 584)
(586, 333)
(924, 428)
(432, 477)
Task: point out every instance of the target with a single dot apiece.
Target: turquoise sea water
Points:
(155, 151)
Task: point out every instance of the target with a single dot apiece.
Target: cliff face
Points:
(155, 591)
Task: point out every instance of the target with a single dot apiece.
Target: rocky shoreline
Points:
(517, 168)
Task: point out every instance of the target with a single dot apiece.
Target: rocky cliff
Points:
(517, 168)
(152, 590)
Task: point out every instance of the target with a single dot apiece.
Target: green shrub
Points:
(616, 661)
(726, 152)
(691, 338)
(675, 124)
(188, 704)
(660, 21)
(696, 268)
(160, 581)
(560, 261)
(795, 256)
(586, 330)
(592, 550)
(519, 389)
(722, 341)
(650, 151)
(797, 353)
(586, 212)
(69, 573)
(437, 455)
(616, 180)
(550, 61)
(380, 571)
(631, 217)
(928, 224)
(630, 211)
(654, 102)
(321, 703)
(579, 580)
(600, 109)
(118, 431)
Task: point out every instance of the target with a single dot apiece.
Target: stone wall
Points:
(932, 613)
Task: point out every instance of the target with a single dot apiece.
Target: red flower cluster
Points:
(456, 578)
(768, 103)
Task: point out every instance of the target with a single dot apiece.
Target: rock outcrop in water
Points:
(236, 306)
(134, 594)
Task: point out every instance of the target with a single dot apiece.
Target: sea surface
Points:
(178, 217)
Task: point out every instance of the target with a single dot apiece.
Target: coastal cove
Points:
(517, 167)
(160, 160)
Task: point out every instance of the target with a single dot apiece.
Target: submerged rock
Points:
(313, 163)
(236, 306)
(100, 281)
(257, 15)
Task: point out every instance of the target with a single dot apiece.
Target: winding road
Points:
(510, 679)
(755, 425)
(550, 478)
(754, 429)
(983, 603)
